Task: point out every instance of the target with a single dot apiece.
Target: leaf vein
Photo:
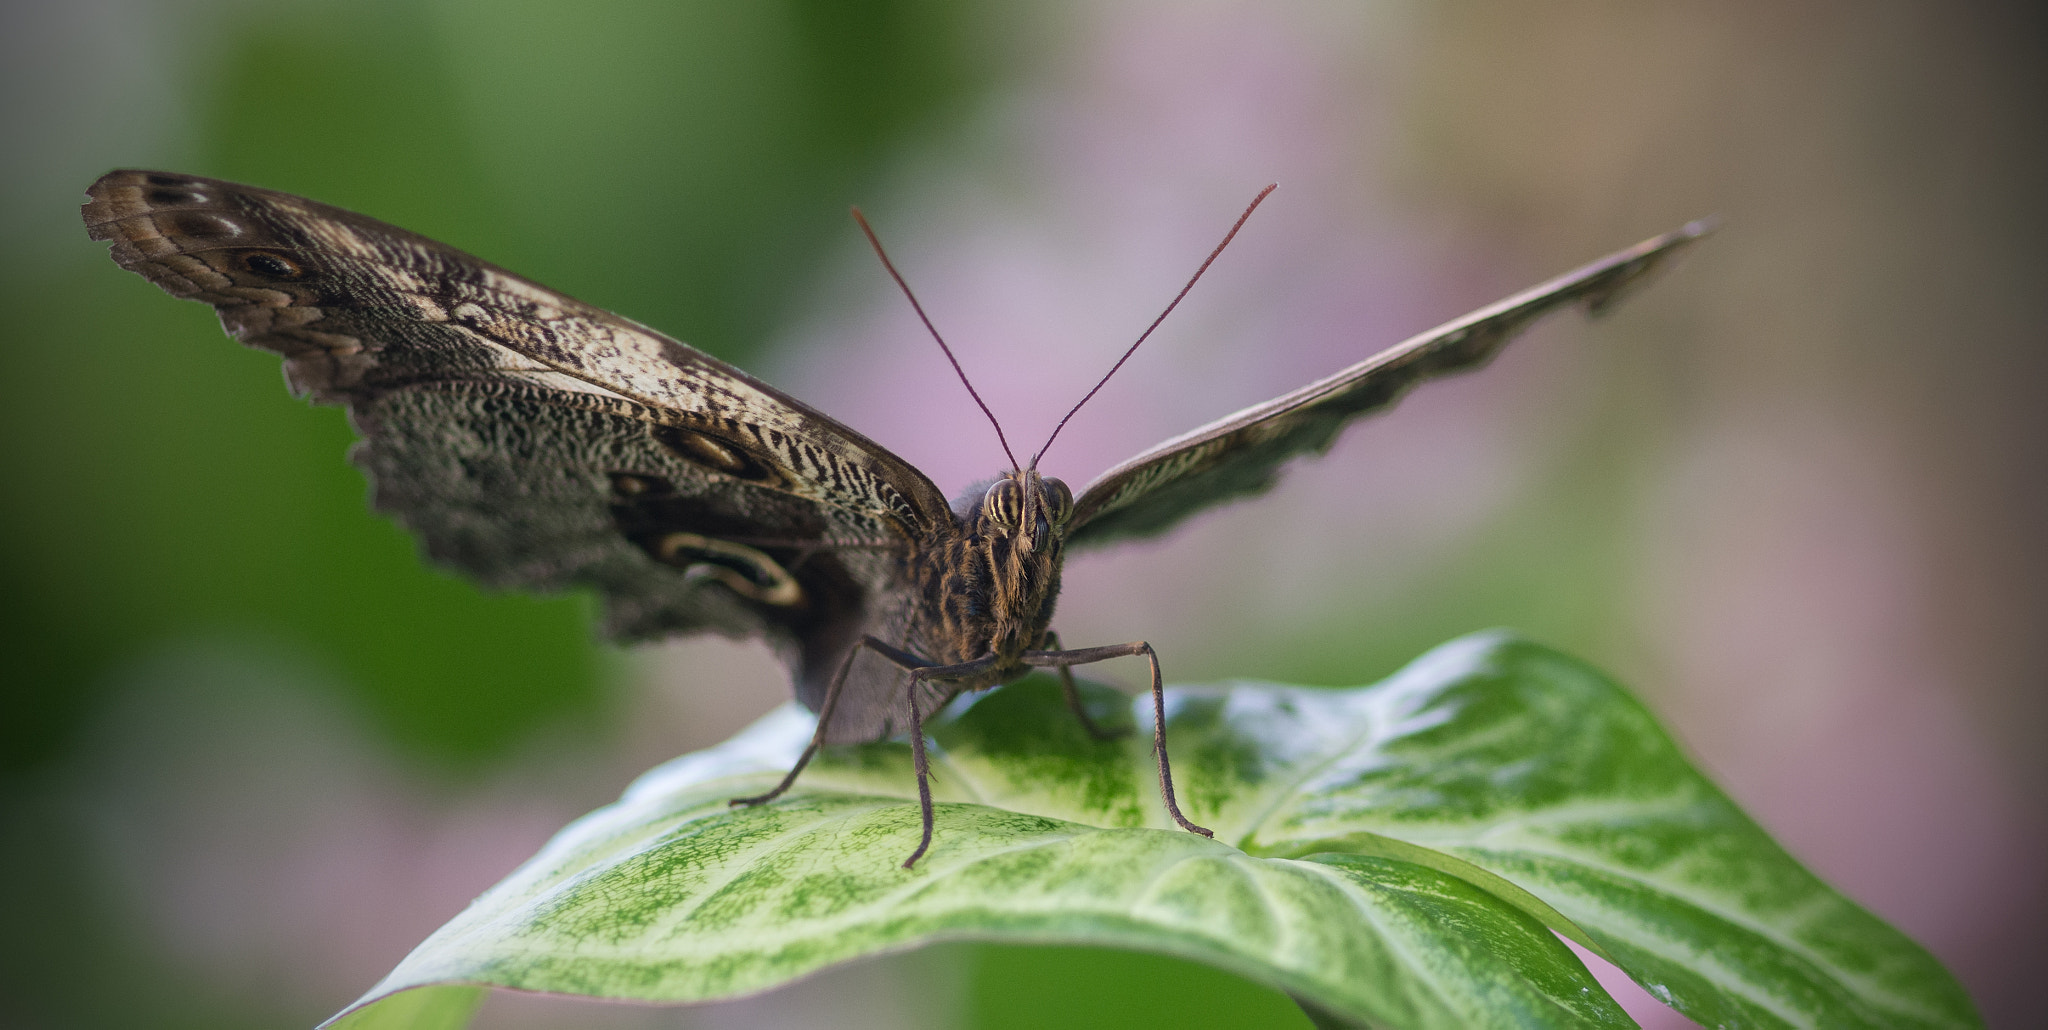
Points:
(1821, 964)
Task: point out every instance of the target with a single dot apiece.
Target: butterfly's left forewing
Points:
(534, 441)
(1241, 454)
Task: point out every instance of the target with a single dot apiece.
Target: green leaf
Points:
(1393, 855)
(423, 1008)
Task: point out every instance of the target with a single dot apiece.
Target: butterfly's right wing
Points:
(1241, 454)
(532, 441)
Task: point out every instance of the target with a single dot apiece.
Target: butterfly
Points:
(532, 441)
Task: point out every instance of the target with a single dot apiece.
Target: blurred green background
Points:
(253, 749)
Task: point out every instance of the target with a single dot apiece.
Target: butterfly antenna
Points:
(1227, 237)
(926, 319)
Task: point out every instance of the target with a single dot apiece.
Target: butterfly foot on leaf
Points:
(762, 799)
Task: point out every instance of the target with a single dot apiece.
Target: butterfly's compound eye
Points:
(1004, 503)
(1059, 502)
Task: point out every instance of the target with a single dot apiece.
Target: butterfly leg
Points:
(818, 737)
(1073, 693)
(920, 670)
(1089, 655)
(918, 675)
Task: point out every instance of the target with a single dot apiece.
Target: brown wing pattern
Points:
(533, 441)
(526, 487)
(358, 307)
(1241, 454)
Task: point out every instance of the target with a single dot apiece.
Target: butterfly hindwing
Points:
(524, 487)
(1241, 454)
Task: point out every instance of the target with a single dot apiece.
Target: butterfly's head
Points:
(1027, 507)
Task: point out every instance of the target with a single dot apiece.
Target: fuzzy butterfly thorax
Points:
(992, 578)
(536, 442)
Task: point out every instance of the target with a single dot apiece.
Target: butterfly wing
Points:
(1241, 454)
(536, 442)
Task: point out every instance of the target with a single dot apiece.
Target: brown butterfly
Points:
(534, 441)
